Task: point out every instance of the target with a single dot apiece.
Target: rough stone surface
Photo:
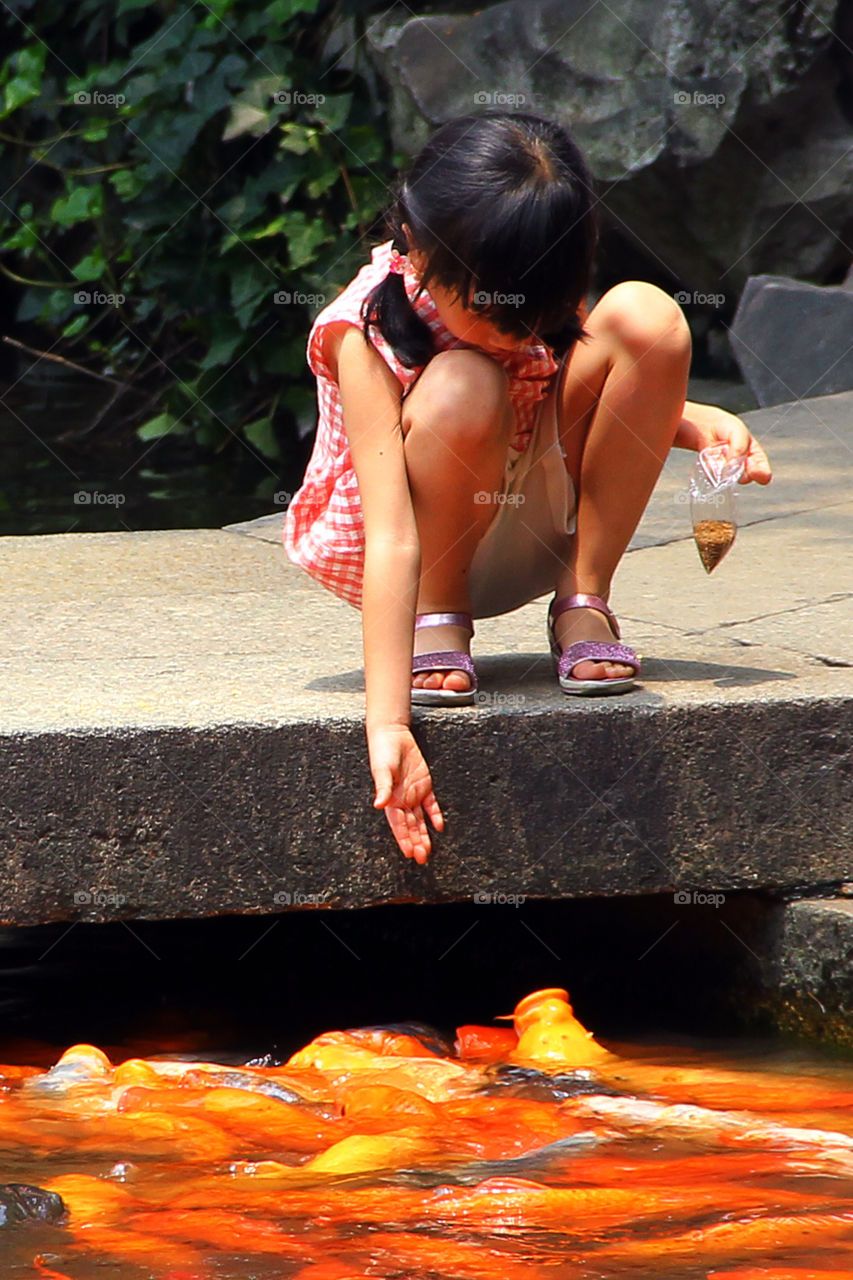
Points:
(681, 108)
(181, 720)
(792, 339)
(806, 969)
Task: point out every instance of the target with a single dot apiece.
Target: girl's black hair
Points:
(502, 206)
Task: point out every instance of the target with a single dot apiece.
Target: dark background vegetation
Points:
(182, 186)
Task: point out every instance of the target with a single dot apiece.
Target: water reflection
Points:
(525, 1152)
(60, 476)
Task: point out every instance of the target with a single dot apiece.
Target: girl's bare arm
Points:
(370, 396)
(706, 424)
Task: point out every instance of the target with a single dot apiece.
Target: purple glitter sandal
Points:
(589, 650)
(446, 660)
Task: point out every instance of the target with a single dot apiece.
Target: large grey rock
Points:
(714, 129)
(792, 339)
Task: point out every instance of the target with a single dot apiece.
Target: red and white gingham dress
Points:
(323, 527)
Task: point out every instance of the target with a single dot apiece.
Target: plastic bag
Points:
(713, 504)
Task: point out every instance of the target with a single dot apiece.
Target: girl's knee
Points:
(643, 320)
(463, 394)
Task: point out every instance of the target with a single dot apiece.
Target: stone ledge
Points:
(181, 721)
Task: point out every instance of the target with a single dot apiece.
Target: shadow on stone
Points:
(666, 671)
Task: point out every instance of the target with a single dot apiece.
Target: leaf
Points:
(126, 184)
(273, 228)
(96, 131)
(174, 33)
(24, 238)
(192, 65)
(81, 205)
(260, 433)
(246, 119)
(27, 81)
(75, 326)
(296, 138)
(334, 110)
(167, 137)
(283, 10)
(303, 237)
(365, 145)
(91, 267)
(302, 403)
(250, 280)
(222, 348)
(157, 427)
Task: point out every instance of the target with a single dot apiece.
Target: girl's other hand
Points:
(706, 424)
(403, 788)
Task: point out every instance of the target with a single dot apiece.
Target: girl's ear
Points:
(418, 261)
(415, 256)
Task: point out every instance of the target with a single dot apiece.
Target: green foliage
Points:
(185, 185)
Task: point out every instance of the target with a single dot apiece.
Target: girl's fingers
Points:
(758, 464)
(400, 831)
(433, 812)
(384, 782)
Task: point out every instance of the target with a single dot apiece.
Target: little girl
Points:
(481, 439)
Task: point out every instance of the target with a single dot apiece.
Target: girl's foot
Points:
(589, 624)
(437, 640)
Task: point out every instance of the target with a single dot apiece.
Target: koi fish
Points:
(549, 1034)
(778, 1273)
(727, 1239)
(414, 1252)
(81, 1064)
(642, 1116)
(366, 1153)
(266, 1120)
(485, 1044)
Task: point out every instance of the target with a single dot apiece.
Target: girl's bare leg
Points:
(456, 422)
(620, 406)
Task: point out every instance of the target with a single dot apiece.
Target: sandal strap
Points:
(446, 660)
(444, 620)
(583, 601)
(596, 651)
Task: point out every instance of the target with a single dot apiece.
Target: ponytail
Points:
(388, 309)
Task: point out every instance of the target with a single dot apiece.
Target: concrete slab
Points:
(177, 738)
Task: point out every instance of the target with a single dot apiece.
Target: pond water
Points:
(61, 476)
(524, 1150)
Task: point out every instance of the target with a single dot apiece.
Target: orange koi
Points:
(550, 1036)
(709, 1244)
(366, 1153)
(338, 1054)
(265, 1120)
(777, 1273)
(485, 1044)
(89, 1199)
(218, 1227)
(385, 1104)
(415, 1251)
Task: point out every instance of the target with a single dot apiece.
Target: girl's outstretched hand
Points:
(403, 788)
(706, 424)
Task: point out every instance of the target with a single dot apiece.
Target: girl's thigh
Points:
(629, 321)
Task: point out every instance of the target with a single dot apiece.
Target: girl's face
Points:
(463, 321)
